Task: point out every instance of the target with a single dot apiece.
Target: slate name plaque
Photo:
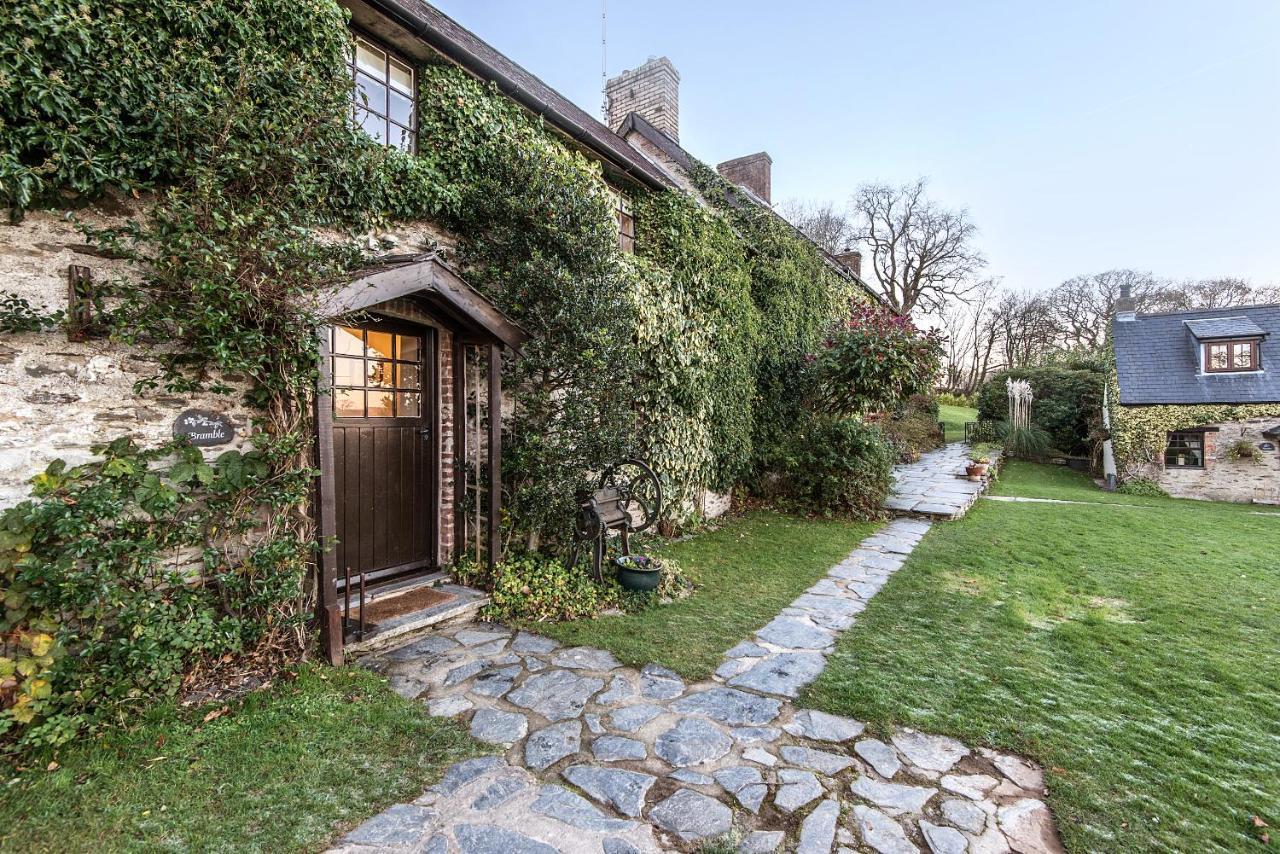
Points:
(1267, 446)
(204, 428)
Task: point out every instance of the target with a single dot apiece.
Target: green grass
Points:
(953, 419)
(1133, 651)
(284, 770)
(745, 573)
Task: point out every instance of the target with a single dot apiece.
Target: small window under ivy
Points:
(385, 94)
(626, 221)
(1185, 451)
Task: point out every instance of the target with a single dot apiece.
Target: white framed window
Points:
(385, 95)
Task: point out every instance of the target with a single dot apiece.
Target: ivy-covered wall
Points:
(231, 120)
(1140, 436)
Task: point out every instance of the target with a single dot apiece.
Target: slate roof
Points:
(1158, 361)
(473, 53)
(1224, 327)
(634, 122)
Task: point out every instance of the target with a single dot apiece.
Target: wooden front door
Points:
(384, 450)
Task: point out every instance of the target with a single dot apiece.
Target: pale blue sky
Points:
(1082, 136)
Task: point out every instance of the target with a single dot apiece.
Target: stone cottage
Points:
(404, 435)
(1195, 401)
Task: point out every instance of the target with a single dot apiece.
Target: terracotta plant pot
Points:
(975, 472)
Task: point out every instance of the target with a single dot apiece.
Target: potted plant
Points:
(979, 462)
(638, 572)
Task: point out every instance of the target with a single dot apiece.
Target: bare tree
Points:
(1080, 309)
(971, 337)
(921, 252)
(1221, 292)
(820, 222)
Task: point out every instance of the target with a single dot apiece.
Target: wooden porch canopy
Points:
(428, 281)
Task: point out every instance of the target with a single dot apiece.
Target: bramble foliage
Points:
(100, 612)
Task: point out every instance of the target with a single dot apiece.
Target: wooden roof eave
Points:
(435, 283)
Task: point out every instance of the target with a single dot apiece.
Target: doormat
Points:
(401, 604)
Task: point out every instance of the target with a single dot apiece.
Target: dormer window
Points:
(385, 95)
(1221, 357)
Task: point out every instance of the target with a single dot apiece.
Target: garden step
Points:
(462, 606)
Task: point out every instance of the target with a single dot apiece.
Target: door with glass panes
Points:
(384, 393)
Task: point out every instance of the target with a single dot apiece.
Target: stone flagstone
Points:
(623, 790)
(692, 815)
(819, 829)
(691, 742)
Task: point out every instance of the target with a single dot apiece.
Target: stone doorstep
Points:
(461, 609)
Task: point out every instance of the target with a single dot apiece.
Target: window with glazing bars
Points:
(1185, 451)
(385, 96)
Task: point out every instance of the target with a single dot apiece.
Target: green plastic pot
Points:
(638, 572)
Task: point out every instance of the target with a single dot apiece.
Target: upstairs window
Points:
(1222, 357)
(385, 94)
(626, 221)
(1184, 451)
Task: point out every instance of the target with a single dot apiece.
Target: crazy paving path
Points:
(597, 757)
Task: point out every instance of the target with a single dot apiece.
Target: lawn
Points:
(745, 573)
(1133, 651)
(954, 418)
(284, 769)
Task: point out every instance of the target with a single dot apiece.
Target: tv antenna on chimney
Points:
(604, 74)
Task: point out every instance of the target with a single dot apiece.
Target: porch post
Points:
(327, 613)
(495, 454)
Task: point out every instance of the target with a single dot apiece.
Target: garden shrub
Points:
(837, 465)
(874, 360)
(1067, 402)
(912, 433)
(948, 398)
(100, 617)
(1142, 486)
(533, 588)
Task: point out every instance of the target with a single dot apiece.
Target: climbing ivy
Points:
(798, 299)
(222, 130)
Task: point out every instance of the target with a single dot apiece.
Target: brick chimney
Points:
(652, 90)
(852, 259)
(1126, 306)
(753, 172)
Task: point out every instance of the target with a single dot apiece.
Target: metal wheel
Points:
(639, 490)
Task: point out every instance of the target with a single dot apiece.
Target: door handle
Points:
(425, 432)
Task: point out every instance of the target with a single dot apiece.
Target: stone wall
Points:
(1223, 479)
(57, 398)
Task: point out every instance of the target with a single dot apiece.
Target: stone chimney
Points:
(852, 259)
(652, 90)
(1126, 306)
(753, 172)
